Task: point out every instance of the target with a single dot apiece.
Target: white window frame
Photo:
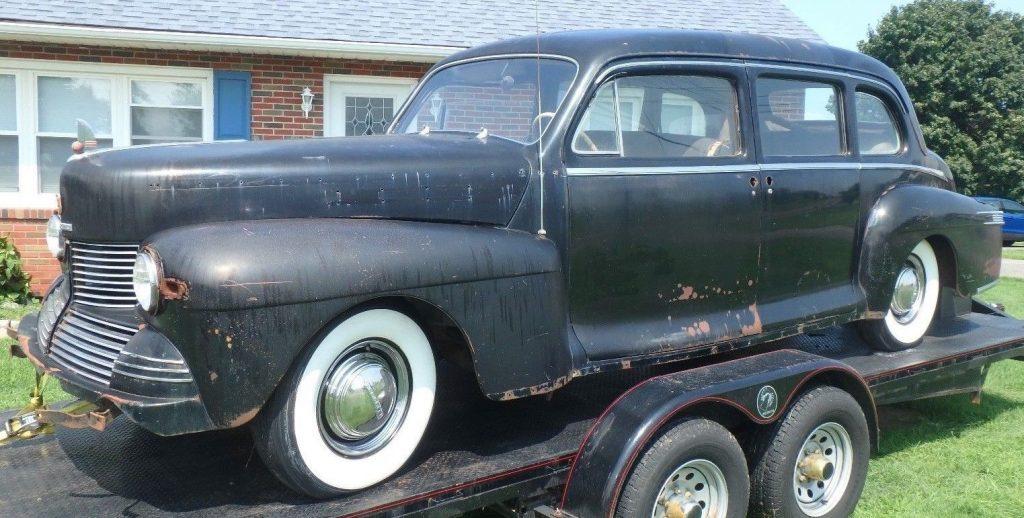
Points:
(26, 73)
(356, 85)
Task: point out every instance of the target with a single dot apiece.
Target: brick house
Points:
(201, 70)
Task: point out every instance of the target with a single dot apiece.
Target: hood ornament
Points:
(86, 138)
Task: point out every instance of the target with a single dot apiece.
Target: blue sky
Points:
(845, 22)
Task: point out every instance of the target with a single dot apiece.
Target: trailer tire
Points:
(309, 437)
(778, 449)
(691, 448)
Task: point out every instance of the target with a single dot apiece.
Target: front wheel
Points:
(353, 409)
(914, 302)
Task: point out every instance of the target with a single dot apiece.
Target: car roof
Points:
(594, 48)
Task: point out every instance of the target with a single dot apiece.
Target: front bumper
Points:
(167, 409)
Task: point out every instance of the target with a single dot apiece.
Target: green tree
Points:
(963, 63)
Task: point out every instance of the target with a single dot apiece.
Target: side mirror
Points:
(86, 138)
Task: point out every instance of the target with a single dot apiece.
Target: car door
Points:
(812, 183)
(1013, 217)
(665, 210)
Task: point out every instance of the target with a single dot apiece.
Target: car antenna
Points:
(540, 109)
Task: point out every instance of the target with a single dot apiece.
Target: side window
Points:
(662, 116)
(877, 130)
(1013, 207)
(799, 118)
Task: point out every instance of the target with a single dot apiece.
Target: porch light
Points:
(307, 101)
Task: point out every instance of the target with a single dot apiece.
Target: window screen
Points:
(877, 131)
(662, 116)
(799, 118)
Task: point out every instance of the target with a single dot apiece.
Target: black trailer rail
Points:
(477, 453)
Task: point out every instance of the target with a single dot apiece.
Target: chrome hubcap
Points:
(908, 296)
(823, 469)
(364, 397)
(697, 489)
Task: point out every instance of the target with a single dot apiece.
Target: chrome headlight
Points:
(54, 237)
(146, 281)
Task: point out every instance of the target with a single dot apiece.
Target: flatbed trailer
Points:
(561, 455)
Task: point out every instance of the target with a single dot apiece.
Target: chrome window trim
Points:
(744, 168)
(419, 86)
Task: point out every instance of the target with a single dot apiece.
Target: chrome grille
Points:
(101, 274)
(88, 345)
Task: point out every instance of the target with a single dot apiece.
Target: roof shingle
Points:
(429, 22)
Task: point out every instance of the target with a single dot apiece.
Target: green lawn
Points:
(1014, 252)
(938, 457)
(16, 374)
(948, 457)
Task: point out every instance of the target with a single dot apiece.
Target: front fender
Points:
(907, 214)
(244, 298)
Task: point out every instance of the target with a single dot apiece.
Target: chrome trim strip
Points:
(102, 297)
(97, 330)
(102, 275)
(151, 359)
(133, 251)
(74, 335)
(102, 266)
(153, 369)
(97, 304)
(70, 365)
(745, 168)
(79, 286)
(95, 259)
(103, 322)
(151, 378)
(79, 358)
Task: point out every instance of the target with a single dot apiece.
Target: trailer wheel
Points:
(914, 302)
(353, 409)
(814, 460)
(694, 469)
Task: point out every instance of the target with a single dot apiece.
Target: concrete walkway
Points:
(1013, 268)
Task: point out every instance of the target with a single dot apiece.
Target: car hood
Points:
(129, 194)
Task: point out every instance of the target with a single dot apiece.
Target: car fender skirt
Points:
(755, 390)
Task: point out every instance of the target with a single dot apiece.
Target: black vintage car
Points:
(541, 209)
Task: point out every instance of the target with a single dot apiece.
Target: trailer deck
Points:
(476, 452)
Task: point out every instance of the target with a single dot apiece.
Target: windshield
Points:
(499, 95)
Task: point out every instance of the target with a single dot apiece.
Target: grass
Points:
(17, 376)
(1014, 252)
(937, 457)
(946, 456)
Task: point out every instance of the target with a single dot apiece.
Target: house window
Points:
(41, 102)
(8, 134)
(362, 105)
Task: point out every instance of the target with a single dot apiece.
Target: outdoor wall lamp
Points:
(307, 101)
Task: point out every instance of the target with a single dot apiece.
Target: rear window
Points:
(799, 118)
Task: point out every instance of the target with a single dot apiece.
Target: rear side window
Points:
(799, 118)
(877, 131)
(662, 116)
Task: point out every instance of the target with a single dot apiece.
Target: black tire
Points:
(681, 442)
(776, 449)
(1008, 243)
(294, 442)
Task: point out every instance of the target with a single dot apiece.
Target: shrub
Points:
(13, 279)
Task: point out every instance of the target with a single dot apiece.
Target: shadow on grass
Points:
(906, 425)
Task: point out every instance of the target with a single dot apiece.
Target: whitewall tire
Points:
(914, 303)
(354, 407)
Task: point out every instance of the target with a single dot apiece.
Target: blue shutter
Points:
(231, 105)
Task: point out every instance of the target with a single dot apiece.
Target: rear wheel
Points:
(914, 302)
(814, 460)
(694, 469)
(353, 409)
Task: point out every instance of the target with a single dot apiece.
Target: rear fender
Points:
(908, 214)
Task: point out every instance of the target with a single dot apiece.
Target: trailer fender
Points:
(759, 387)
